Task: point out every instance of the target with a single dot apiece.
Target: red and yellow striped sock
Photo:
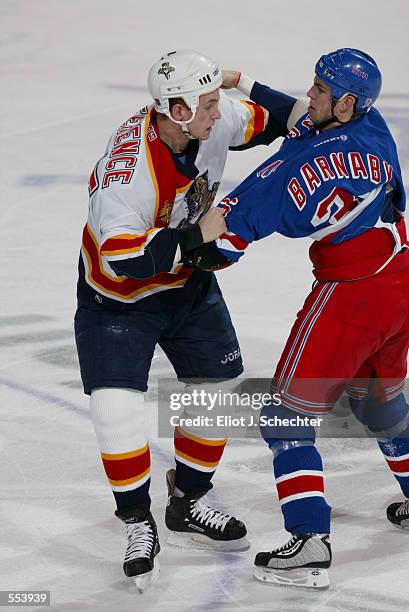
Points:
(196, 460)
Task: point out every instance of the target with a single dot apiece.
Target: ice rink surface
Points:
(72, 71)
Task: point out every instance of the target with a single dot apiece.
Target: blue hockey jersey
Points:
(330, 186)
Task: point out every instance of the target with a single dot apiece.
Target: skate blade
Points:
(309, 578)
(144, 581)
(198, 541)
(404, 525)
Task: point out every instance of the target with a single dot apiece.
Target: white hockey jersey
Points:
(137, 189)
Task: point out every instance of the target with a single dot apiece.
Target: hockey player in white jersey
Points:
(150, 195)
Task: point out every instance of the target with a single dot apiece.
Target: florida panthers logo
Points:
(200, 197)
(166, 69)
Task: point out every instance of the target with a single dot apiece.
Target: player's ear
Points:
(177, 111)
(345, 106)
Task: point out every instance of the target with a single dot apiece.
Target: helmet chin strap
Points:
(185, 130)
(332, 119)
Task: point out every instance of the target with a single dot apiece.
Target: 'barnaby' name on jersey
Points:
(337, 165)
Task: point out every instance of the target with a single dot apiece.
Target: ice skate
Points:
(301, 563)
(195, 525)
(398, 514)
(143, 546)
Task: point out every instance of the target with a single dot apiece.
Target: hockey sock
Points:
(388, 420)
(196, 460)
(116, 415)
(300, 487)
(396, 453)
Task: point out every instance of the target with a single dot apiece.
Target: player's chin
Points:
(205, 134)
(312, 114)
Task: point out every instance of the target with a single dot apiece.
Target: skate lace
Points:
(209, 516)
(404, 508)
(140, 540)
(288, 544)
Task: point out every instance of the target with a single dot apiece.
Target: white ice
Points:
(71, 72)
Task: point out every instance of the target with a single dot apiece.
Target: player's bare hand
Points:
(230, 78)
(212, 224)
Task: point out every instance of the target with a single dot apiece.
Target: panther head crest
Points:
(166, 69)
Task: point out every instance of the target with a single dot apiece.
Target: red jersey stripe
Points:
(236, 241)
(259, 118)
(121, 243)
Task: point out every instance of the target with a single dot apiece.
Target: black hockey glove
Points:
(189, 237)
(206, 257)
(198, 254)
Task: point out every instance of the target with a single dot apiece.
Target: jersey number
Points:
(333, 207)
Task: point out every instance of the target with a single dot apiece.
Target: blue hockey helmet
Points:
(350, 71)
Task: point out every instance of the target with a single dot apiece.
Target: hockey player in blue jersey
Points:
(337, 179)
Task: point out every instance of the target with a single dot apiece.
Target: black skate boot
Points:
(301, 563)
(143, 546)
(398, 514)
(195, 525)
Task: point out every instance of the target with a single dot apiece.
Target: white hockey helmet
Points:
(182, 74)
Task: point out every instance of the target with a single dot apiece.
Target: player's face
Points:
(320, 108)
(207, 114)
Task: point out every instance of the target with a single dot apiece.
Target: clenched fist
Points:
(212, 224)
(230, 78)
